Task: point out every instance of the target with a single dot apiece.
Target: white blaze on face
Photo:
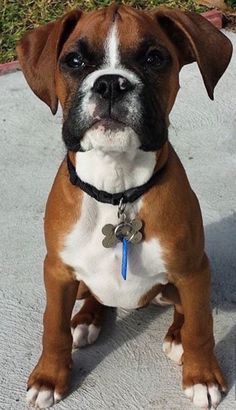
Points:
(111, 65)
(112, 55)
(99, 138)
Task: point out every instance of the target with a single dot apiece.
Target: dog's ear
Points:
(38, 53)
(196, 39)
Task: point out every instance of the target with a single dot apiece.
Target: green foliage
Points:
(17, 16)
(231, 3)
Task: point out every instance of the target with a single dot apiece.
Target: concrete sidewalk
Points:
(126, 368)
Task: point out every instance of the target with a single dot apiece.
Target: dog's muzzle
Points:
(113, 112)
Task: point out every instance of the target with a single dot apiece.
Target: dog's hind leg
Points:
(86, 324)
(172, 345)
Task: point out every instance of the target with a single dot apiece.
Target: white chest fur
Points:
(100, 268)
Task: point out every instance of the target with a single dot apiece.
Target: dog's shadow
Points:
(221, 248)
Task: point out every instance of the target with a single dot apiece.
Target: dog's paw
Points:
(42, 397)
(203, 382)
(84, 334)
(86, 323)
(173, 350)
(204, 396)
(48, 382)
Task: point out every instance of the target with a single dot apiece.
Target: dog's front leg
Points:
(202, 377)
(48, 382)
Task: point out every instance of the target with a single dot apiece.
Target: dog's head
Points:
(115, 72)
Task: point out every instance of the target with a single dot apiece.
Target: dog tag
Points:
(124, 230)
(110, 239)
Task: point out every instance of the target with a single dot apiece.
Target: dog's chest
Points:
(100, 268)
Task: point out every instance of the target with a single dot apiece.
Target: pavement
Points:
(126, 368)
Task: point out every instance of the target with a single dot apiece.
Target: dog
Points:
(122, 226)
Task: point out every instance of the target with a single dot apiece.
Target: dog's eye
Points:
(155, 59)
(74, 60)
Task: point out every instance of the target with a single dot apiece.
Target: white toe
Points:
(166, 347)
(31, 396)
(200, 398)
(189, 392)
(85, 334)
(215, 395)
(57, 397)
(80, 336)
(45, 399)
(93, 332)
(173, 350)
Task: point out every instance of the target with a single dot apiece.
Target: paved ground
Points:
(126, 369)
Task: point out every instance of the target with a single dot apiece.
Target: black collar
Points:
(130, 195)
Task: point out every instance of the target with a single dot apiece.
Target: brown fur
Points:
(150, 295)
(83, 291)
(178, 227)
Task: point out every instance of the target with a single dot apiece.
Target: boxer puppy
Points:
(115, 72)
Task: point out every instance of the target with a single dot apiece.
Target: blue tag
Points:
(124, 258)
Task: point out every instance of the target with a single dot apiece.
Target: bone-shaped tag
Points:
(124, 230)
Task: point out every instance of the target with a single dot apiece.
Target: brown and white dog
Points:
(115, 72)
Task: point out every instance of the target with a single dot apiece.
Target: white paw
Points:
(200, 394)
(85, 335)
(42, 398)
(173, 350)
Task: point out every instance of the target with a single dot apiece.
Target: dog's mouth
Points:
(109, 135)
(108, 124)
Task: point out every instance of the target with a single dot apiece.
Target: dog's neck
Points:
(117, 171)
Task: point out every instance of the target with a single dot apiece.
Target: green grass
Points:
(231, 3)
(17, 16)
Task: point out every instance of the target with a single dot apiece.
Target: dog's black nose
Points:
(112, 87)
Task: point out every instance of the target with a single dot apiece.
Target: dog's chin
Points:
(110, 136)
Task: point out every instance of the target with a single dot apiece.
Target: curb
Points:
(11, 67)
(214, 16)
